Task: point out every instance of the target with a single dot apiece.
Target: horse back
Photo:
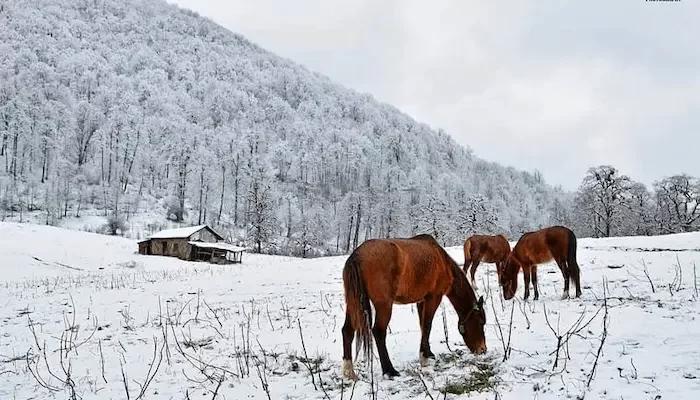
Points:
(500, 242)
(489, 248)
(543, 245)
(404, 270)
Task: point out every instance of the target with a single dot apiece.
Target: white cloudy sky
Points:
(553, 85)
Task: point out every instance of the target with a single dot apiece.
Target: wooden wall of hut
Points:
(171, 247)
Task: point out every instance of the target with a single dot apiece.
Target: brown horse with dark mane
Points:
(405, 271)
(486, 248)
(556, 243)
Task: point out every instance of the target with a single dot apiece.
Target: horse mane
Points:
(460, 283)
(426, 237)
(429, 238)
(527, 234)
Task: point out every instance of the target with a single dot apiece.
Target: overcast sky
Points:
(557, 86)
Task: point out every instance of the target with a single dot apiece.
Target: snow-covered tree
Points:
(260, 212)
(678, 200)
(602, 198)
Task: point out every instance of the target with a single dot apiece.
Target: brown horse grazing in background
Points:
(556, 242)
(486, 248)
(404, 271)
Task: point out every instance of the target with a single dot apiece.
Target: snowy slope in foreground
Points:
(245, 324)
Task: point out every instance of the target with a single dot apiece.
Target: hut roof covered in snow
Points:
(183, 233)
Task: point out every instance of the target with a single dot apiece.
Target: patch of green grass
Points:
(451, 357)
(482, 378)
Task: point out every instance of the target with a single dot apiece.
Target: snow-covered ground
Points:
(85, 311)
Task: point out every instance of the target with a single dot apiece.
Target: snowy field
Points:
(84, 316)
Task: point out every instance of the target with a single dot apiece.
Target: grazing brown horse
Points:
(557, 243)
(404, 271)
(486, 248)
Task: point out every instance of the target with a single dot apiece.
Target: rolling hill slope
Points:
(138, 106)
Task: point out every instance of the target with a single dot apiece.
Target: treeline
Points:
(609, 203)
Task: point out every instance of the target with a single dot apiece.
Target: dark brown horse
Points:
(556, 243)
(486, 248)
(404, 271)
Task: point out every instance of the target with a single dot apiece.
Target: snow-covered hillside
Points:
(122, 105)
(84, 312)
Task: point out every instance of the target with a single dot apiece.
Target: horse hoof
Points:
(564, 296)
(424, 358)
(352, 377)
(423, 361)
(349, 371)
(392, 373)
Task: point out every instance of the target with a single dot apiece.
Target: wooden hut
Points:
(191, 243)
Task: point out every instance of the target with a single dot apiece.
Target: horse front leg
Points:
(430, 306)
(381, 322)
(421, 306)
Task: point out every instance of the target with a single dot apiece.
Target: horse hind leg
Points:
(381, 322)
(564, 268)
(472, 272)
(535, 285)
(526, 281)
(573, 267)
(575, 275)
(348, 332)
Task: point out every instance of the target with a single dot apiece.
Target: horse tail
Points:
(358, 306)
(574, 271)
(467, 254)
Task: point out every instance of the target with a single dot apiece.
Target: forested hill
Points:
(133, 106)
